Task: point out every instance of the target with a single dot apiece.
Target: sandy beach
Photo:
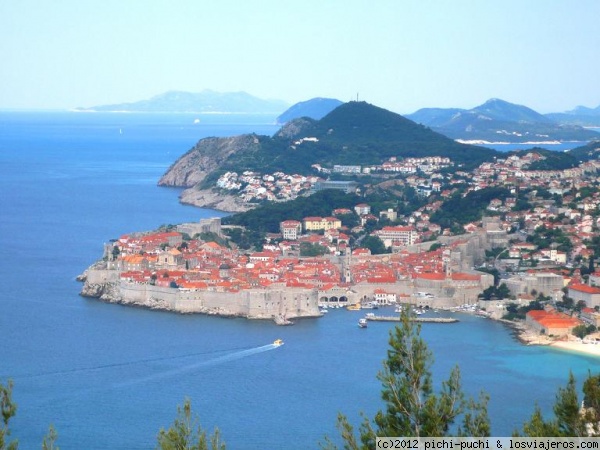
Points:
(576, 346)
(530, 337)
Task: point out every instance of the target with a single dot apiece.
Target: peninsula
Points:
(412, 218)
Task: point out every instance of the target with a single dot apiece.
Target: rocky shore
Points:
(207, 198)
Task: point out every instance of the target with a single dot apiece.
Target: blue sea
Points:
(109, 377)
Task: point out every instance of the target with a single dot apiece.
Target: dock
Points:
(375, 318)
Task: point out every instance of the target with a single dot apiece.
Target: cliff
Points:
(208, 198)
(205, 157)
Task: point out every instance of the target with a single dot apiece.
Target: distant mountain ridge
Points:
(499, 121)
(207, 101)
(581, 115)
(315, 108)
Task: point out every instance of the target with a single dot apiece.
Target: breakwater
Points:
(414, 319)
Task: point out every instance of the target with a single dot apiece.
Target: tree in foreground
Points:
(186, 433)
(8, 410)
(571, 418)
(412, 408)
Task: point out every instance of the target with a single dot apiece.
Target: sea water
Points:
(109, 376)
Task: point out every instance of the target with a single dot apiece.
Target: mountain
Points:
(355, 133)
(435, 117)
(581, 115)
(499, 121)
(206, 101)
(315, 108)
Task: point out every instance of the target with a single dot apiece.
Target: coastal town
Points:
(542, 255)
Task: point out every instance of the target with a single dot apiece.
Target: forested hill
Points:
(355, 133)
(361, 133)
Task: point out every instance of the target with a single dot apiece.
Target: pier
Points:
(375, 318)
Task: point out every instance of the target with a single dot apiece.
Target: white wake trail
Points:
(201, 364)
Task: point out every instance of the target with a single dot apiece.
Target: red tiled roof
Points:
(584, 288)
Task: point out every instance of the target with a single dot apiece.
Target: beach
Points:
(578, 346)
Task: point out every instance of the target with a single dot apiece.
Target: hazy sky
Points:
(398, 54)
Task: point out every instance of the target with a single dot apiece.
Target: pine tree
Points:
(571, 418)
(8, 409)
(186, 433)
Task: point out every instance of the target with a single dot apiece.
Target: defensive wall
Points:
(276, 304)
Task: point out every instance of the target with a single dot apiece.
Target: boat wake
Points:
(202, 364)
(237, 353)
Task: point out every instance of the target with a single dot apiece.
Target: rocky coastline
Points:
(207, 198)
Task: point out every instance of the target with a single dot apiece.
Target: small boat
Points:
(355, 307)
(362, 323)
(278, 342)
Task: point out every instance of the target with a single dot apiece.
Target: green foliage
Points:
(580, 331)
(568, 420)
(210, 236)
(354, 133)
(245, 239)
(499, 292)
(374, 244)
(591, 402)
(187, 434)
(435, 247)
(593, 244)
(267, 218)
(553, 160)
(458, 210)
(8, 409)
(587, 152)
(349, 220)
(49, 442)
(544, 237)
(309, 249)
(412, 408)
(515, 311)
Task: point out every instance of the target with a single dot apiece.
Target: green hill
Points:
(355, 133)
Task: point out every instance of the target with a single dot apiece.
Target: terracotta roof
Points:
(584, 288)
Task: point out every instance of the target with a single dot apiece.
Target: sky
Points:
(401, 55)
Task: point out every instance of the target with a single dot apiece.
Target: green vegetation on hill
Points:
(267, 218)
(355, 133)
(586, 152)
(459, 210)
(553, 160)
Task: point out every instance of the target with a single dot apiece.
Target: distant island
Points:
(204, 102)
(315, 108)
(498, 121)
